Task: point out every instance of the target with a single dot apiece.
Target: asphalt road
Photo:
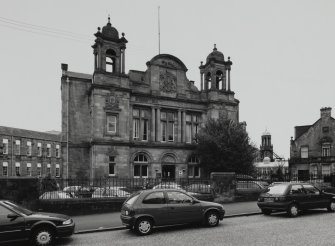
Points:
(312, 228)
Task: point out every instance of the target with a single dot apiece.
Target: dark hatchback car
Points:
(18, 223)
(294, 197)
(159, 207)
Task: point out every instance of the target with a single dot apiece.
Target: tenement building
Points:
(312, 151)
(29, 153)
(140, 123)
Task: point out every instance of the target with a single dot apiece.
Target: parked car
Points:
(106, 192)
(56, 195)
(201, 191)
(79, 191)
(18, 223)
(293, 197)
(168, 185)
(249, 188)
(158, 207)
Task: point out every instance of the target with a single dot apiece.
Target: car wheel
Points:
(43, 236)
(212, 218)
(266, 211)
(144, 226)
(331, 206)
(293, 210)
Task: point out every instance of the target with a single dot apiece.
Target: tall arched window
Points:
(140, 166)
(208, 81)
(110, 61)
(219, 79)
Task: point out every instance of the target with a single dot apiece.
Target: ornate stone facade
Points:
(143, 123)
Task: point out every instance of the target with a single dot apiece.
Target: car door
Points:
(297, 194)
(154, 204)
(12, 225)
(182, 209)
(315, 198)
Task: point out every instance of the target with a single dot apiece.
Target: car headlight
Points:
(67, 222)
(126, 212)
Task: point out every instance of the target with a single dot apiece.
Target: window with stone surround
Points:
(48, 169)
(29, 148)
(140, 166)
(141, 124)
(28, 169)
(39, 149)
(192, 126)
(111, 124)
(5, 146)
(48, 150)
(168, 125)
(193, 167)
(111, 166)
(57, 151)
(57, 170)
(17, 147)
(5, 169)
(304, 152)
(39, 170)
(326, 149)
(17, 169)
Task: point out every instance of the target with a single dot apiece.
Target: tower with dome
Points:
(119, 123)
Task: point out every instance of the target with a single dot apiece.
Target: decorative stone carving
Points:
(168, 82)
(112, 101)
(169, 64)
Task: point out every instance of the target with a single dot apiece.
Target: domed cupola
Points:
(215, 55)
(110, 32)
(109, 50)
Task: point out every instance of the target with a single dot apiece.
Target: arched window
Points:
(219, 79)
(193, 167)
(140, 166)
(110, 61)
(208, 80)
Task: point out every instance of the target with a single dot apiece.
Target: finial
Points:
(214, 47)
(229, 58)
(109, 18)
(201, 63)
(123, 34)
(98, 29)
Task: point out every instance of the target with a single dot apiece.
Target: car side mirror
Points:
(12, 216)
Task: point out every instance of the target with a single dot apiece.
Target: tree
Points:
(224, 146)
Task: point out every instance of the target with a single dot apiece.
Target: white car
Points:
(55, 195)
(116, 191)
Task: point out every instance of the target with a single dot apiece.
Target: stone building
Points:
(29, 153)
(312, 151)
(140, 123)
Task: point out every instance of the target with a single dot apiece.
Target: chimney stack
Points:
(326, 112)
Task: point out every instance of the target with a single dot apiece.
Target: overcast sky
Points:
(282, 53)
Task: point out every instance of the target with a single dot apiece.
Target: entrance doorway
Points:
(168, 171)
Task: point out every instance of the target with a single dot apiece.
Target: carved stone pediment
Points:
(167, 82)
(112, 101)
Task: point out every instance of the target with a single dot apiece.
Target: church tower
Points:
(109, 50)
(266, 149)
(215, 73)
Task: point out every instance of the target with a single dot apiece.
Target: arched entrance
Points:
(168, 167)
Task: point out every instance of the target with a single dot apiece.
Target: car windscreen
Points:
(277, 189)
(18, 208)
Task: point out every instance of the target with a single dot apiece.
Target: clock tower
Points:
(266, 149)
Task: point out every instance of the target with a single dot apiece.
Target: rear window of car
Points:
(279, 189)
(154, 198)
(132, 199)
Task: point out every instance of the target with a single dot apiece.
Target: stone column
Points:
(158, 130)
(123, 60)
(184, 126)
(229, 79)
(224, 83)
(179, 127)
(153, 124)
(213, 80)
(201, 81)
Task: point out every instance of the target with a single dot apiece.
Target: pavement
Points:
(111, 221)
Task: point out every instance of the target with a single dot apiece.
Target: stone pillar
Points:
(213, 80)
(184, 126)
(158, 130)
(123, 60)
(201, 81)
(153, 124)
(224, 83)
(179, 127)
(229, 79)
